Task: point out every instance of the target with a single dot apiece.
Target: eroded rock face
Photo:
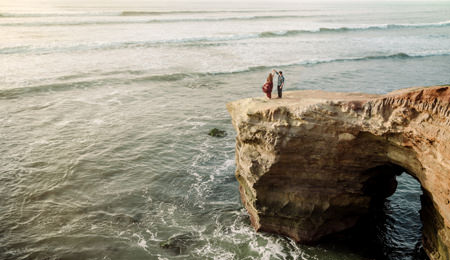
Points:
(312, 163)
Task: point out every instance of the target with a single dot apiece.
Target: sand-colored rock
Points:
(312, 163)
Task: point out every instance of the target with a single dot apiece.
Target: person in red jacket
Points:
(267, 87)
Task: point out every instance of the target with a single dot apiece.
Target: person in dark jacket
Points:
(280, 83)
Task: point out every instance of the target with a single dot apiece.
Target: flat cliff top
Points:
(302, 99)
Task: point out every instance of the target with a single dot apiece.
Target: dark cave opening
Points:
(393, 227)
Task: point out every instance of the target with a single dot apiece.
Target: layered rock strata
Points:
(312, 163)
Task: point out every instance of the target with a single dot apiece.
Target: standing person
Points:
(267, 87)
(280, 83)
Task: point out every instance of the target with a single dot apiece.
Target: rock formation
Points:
(312, 163)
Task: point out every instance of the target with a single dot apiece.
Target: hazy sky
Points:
(196, 1)
(74, 5)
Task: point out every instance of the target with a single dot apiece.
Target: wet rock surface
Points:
(179, 244)
(217, 133)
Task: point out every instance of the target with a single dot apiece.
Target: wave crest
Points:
(17, 92)
(355, 28)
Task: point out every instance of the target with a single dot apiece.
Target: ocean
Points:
(105, 107)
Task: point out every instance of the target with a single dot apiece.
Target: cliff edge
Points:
(312, 163)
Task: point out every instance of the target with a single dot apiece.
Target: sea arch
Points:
(311, 164)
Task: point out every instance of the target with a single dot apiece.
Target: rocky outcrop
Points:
(312, 163)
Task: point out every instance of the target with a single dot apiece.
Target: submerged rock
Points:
(125, 219)
(217, 132)
(180, 243)
(311, 164)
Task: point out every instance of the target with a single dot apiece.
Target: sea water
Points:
(105, 109)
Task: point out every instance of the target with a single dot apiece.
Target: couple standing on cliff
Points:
(267, 87)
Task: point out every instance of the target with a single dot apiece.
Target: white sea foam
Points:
(141, 241)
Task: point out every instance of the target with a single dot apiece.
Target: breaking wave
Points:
(233, 18)
(356, 28)
(166, 20)
(16, 92)
(203, 41)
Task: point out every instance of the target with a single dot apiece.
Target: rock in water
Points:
(179, 244)
(312, 163)
(217, 133)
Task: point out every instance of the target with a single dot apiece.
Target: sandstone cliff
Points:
(312, 163)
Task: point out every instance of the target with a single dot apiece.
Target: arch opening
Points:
(393, 227)
(399, 226)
